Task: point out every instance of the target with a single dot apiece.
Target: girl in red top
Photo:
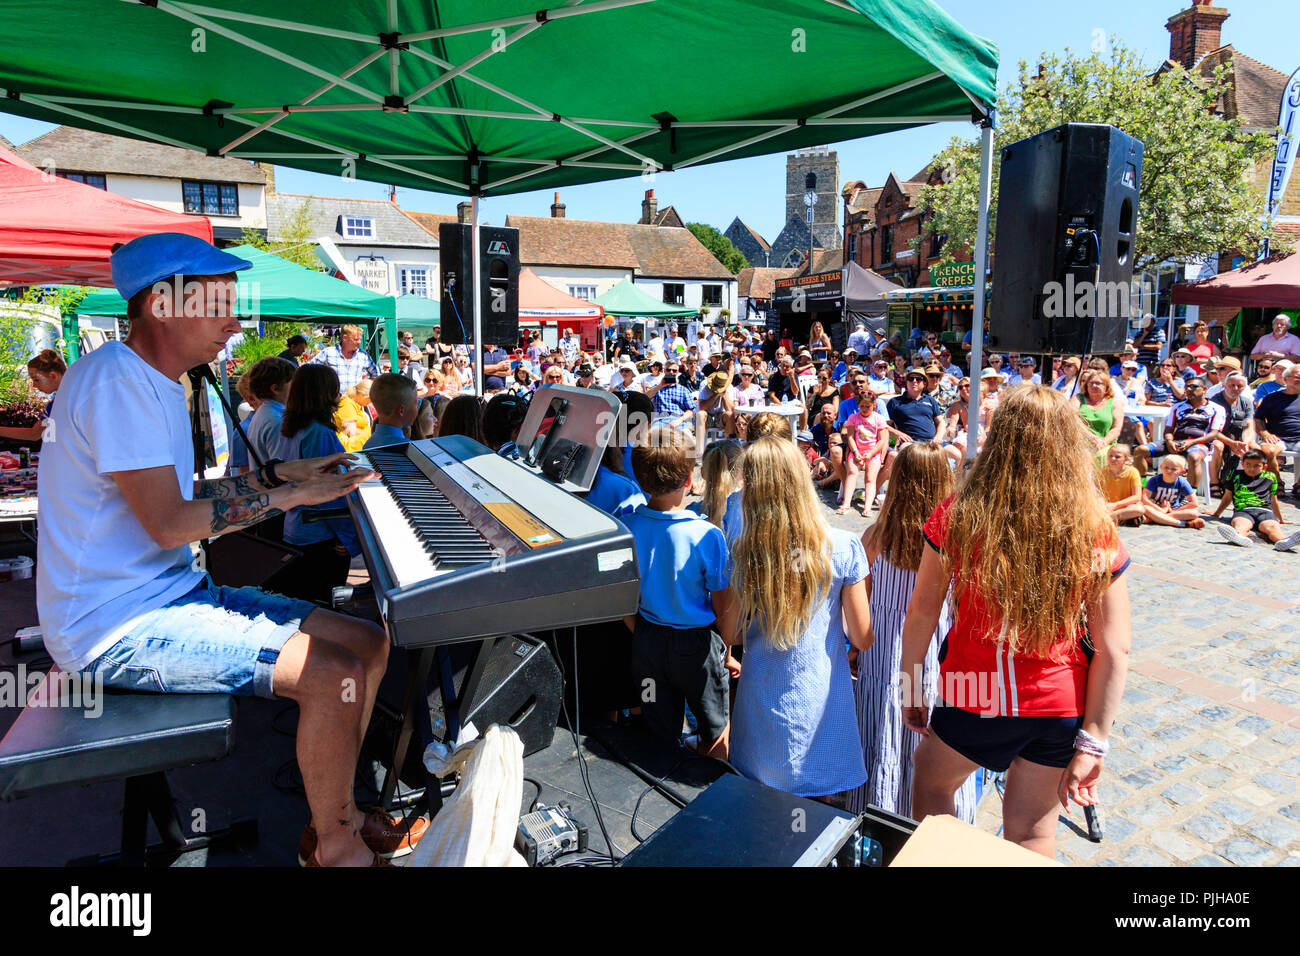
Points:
(1027, 546)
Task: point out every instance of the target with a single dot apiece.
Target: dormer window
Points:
(358, 227)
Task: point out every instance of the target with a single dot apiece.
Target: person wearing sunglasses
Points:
(1166, 386)
(1191, 429)
(1024, 372)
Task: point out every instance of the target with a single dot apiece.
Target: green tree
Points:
(296, 242)
(719, 245)
(1196, 195)
(19, 319)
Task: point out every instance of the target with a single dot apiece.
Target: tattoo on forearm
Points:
(238, 486)
(240, 513)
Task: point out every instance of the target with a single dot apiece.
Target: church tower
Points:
(824, 163)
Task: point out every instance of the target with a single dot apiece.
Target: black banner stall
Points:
(802, 300)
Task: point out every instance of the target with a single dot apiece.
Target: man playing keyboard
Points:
(119, 594)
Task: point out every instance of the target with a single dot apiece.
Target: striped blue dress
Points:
(887, 744)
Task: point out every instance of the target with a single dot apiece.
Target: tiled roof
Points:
(911, 189)
(657, 251)
(392, 226)
(83, 151)
(674, 253)
(760, 282)
(5, 144)
(865, 199)
(826, 260)
(545, 241)
(429, 221)
(668, 217)
(762, 243)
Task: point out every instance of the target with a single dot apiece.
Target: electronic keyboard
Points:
(463, 544)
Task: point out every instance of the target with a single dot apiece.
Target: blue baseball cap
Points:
(149, 259)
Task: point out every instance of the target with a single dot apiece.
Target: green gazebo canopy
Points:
(626, 299)
(276, 288)
(470, 97)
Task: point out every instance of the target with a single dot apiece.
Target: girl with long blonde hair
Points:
(1034, 664)
(717, 469)
(922, 480)
(799, 586)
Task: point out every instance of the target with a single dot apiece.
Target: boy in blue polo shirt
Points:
(685, 587)
(394, 399)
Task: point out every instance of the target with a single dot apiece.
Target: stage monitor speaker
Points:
(520, 688)
(498, 279)
(1067, 218)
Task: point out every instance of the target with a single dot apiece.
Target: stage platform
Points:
(260, 780)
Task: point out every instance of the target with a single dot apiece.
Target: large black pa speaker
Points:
(498, 280)
(1063, 264)
(520, 688)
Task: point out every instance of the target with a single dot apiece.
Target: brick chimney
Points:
(269, 170)
(463, 212)
(557, 208)
(1195, 32)
(649, 206)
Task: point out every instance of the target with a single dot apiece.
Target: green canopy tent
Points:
(417, 315)
(276, 289)
(484, 99)
(626, 299)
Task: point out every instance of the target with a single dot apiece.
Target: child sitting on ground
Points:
(1123, 487)
(394, 398)
(1253, 491)
(1169, 498)
(818, 465)
(685, 587)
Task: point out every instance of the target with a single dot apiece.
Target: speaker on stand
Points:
(499, 280)
(1063, 264)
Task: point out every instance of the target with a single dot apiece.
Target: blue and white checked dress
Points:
(793, 727)
(888, 745)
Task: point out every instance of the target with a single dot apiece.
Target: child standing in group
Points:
(717, 469)
(1253, 493)
(1122, 485)
(922, 480)
(799, 588)
(1169, 498)
(676, 658)
(396, 404)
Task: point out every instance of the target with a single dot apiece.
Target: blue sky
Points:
(753, 188)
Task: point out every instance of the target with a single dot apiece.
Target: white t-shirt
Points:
(97, 569)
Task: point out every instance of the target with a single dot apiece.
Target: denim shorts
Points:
(213, 640)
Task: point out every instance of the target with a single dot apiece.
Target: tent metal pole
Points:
(475, 269)
(981, 267)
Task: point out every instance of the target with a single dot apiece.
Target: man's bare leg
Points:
(364, 639)
(329, 683)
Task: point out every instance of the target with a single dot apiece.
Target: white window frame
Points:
(358, 227)
(584, 292)
(406, 287)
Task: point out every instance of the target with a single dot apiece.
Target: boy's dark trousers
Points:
(674, 667)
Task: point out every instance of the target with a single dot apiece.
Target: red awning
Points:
(1271, 284)
(57, 232)
(538, 299)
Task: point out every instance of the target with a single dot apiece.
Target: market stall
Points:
(543, 307)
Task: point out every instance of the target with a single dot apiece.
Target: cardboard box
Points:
(947, 841)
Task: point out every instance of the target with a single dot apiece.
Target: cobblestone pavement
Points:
(1205, 762)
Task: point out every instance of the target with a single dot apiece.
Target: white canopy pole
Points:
(981, 266)
(475, 269)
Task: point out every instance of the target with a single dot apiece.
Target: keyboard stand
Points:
(417, 718)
